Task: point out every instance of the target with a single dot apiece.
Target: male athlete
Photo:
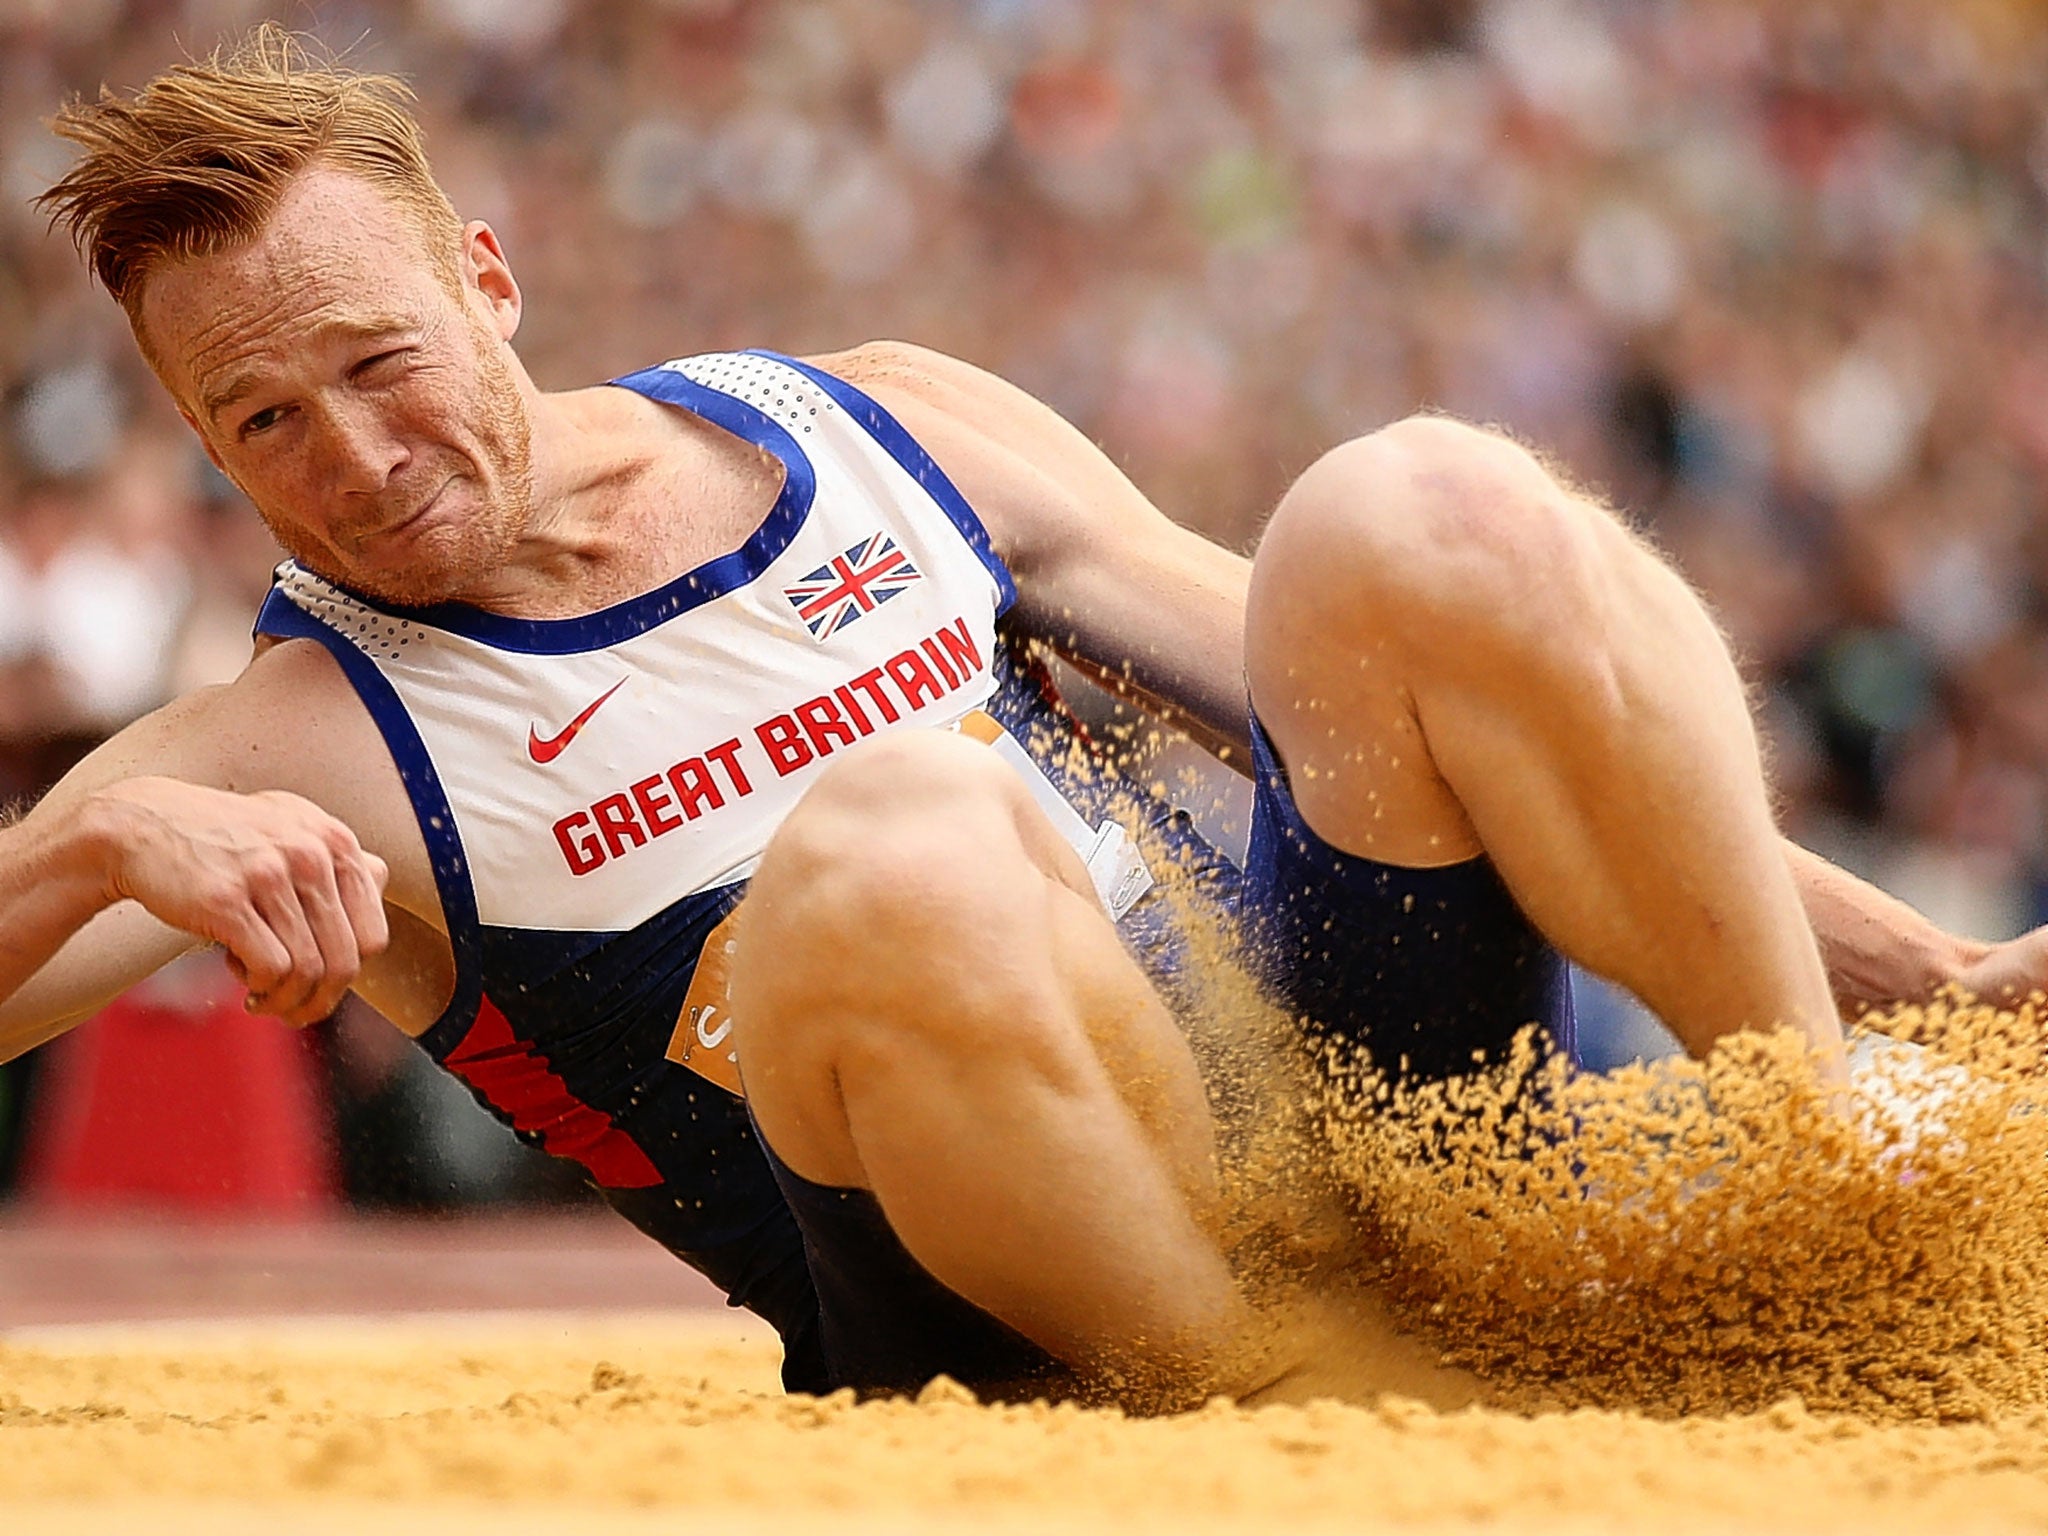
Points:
(553, 681)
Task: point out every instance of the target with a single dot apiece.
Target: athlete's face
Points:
(360, 392)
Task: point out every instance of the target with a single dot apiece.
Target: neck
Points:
(589, 541)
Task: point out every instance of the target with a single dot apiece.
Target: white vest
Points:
(585, 774)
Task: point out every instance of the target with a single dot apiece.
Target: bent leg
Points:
(931, 1005)
(1454, 654)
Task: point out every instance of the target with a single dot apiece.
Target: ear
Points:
(485, 270)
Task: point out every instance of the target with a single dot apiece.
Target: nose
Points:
(363, 452)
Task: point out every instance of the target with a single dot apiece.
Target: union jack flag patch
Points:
(849, 585)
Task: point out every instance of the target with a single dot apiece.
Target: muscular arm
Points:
(1875, 947)
(64, 956)
(150, 847)
(1152, 610)
(1878, 950)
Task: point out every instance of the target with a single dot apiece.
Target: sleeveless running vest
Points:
(594, 792)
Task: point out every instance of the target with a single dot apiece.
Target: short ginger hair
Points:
(195, 162)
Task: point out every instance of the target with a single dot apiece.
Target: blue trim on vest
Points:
(285, 619)
(713, 579)
(908, 452)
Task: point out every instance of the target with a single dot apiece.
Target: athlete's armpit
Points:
(412, 981)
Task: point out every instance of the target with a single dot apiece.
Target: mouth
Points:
(412, 521)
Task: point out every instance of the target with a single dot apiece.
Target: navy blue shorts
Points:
(885, 1324)
(1426, 967)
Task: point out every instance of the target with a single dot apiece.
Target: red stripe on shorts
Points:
(513, 1078)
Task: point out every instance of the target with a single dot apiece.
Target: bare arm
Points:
(135, 856)
(1875, 947)
(88, 965)
(1141, 604)
(1878, 950)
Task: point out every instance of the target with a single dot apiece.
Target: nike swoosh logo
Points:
(545, 749)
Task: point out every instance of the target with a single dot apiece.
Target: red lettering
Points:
(654, 806)
(853, 709)
(961, 647)
(584, 853)
(726, 754)
(785, 744)
(695, 789)
(870, 683)
(614, 815)
(908, 671)
(817, 728)
(822, 723)
(931, 649)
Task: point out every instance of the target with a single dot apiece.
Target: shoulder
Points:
(902, 366)
(235, 735)
(290, 695)
(289, 721)
(1027, 472)
(943, 394)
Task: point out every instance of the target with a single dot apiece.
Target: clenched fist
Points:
(282, 886)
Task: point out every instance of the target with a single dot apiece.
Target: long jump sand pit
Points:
(1701, 1300)
(645, 1423)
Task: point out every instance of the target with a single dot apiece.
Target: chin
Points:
(406, 588)
(423, 577)
(451, 558)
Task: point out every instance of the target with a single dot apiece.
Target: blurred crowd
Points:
(1769, 274)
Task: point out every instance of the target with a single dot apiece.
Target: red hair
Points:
(196, 161)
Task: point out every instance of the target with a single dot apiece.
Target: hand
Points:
(2007, 974)
(286, 889)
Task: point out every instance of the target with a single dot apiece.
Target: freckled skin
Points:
(360, 391)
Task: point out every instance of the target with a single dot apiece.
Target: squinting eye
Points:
(263, 419)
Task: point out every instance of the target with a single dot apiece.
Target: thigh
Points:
(1424, 966)
(917, 932)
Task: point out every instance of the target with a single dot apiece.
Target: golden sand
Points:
(398, 1427)
(1713, 1237)
(1788, 1318)
(1695, 1297)
(1687, 1238)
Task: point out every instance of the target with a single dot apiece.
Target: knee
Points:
(1436, 528)
(893, 898)
(890, 838)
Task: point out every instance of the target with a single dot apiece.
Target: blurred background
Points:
(1771, 274)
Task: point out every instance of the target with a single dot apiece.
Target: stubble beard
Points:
(453, 558)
